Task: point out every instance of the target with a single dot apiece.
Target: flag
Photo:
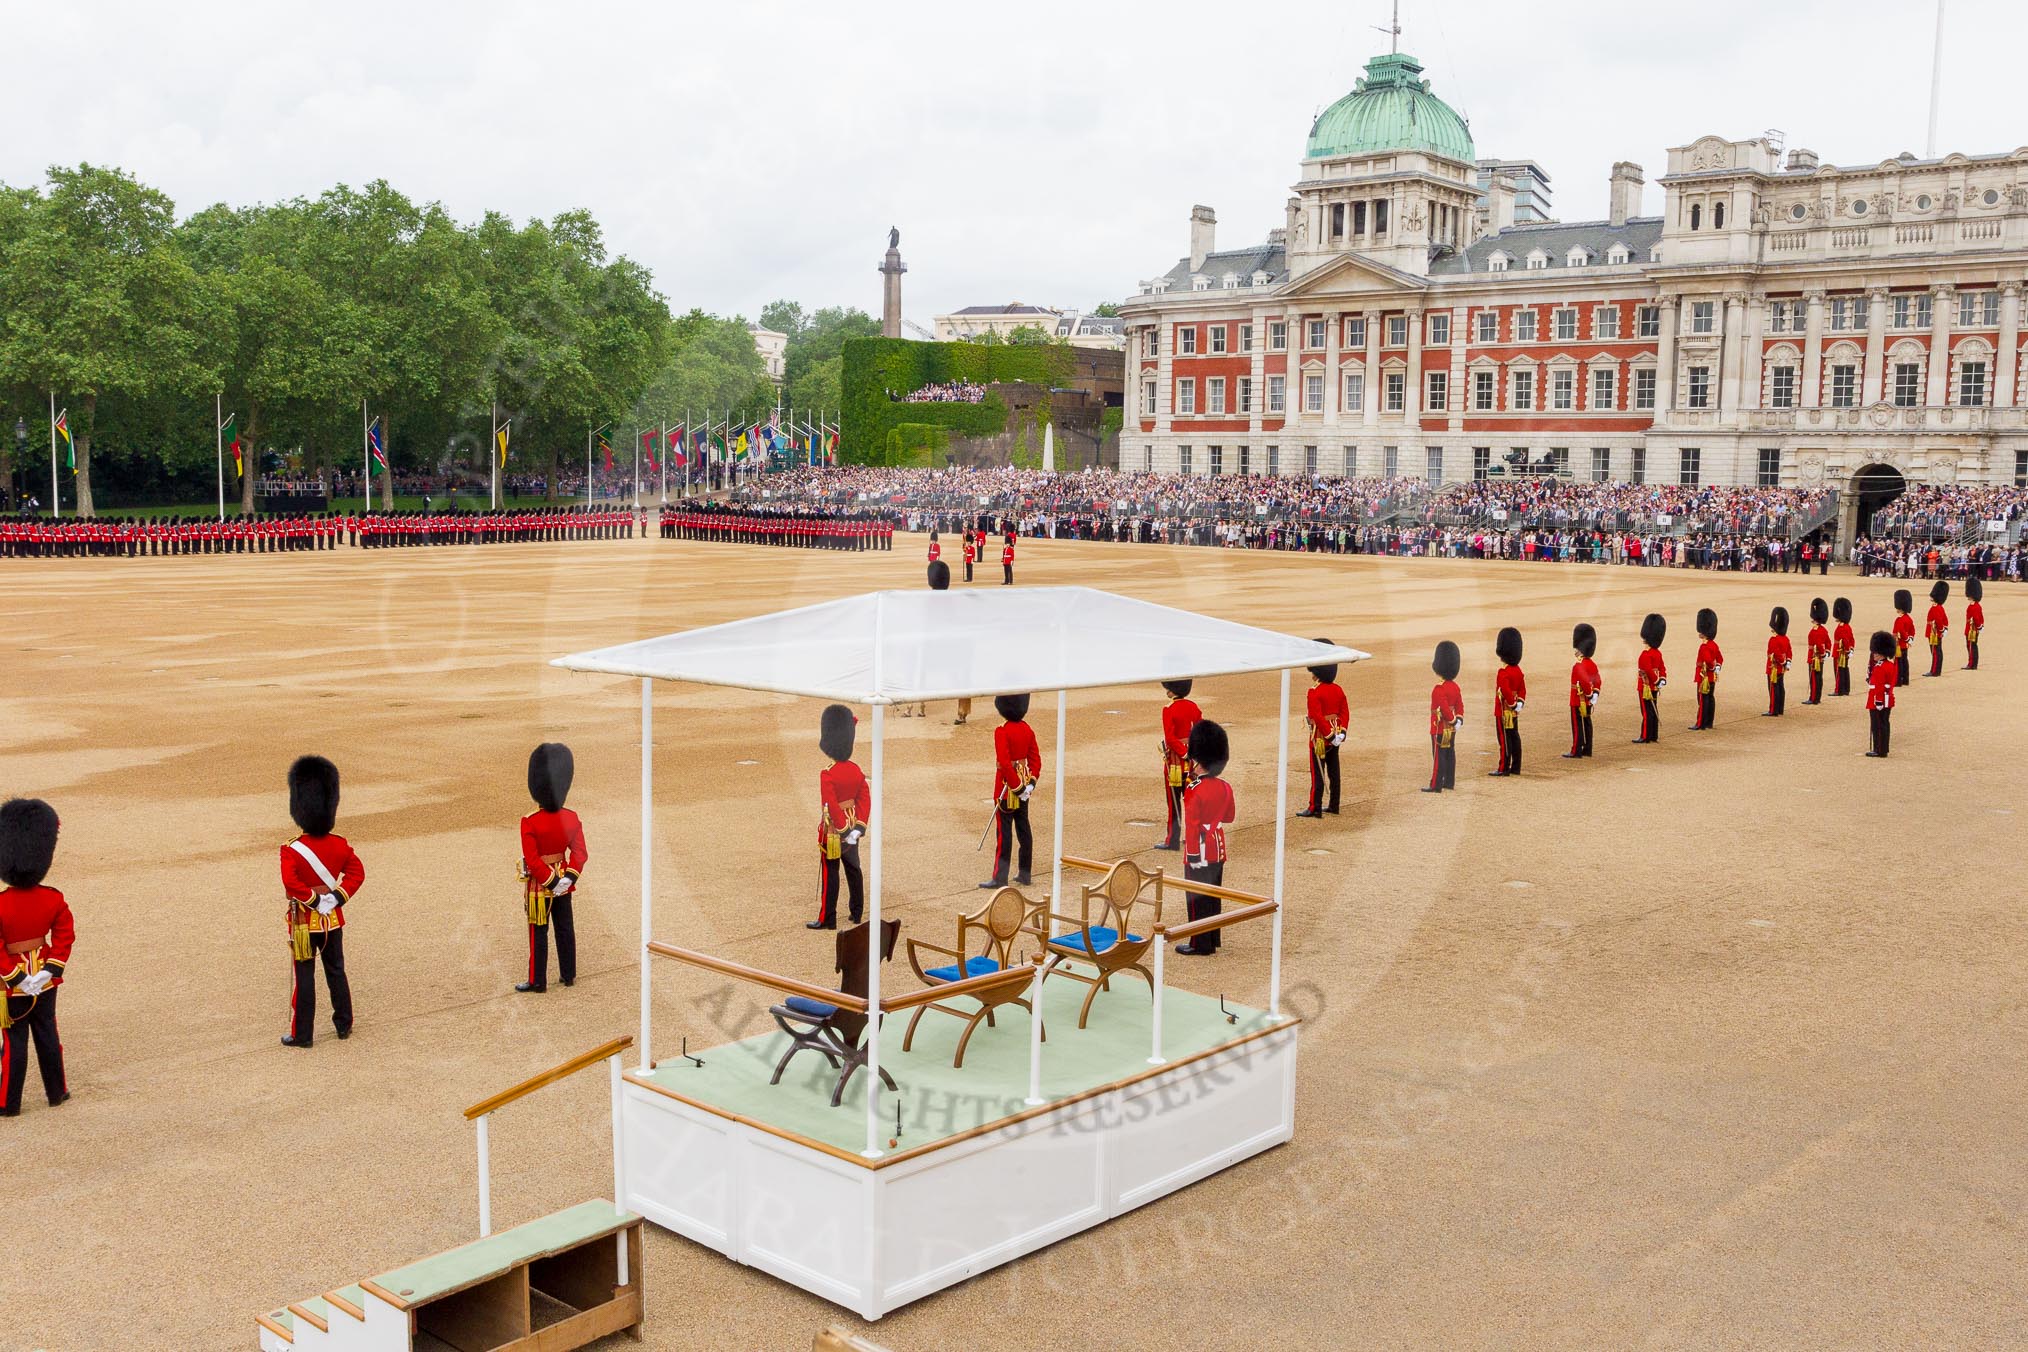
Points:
(373, 444)
(739, 447)
(648, 448)
(676, 451)
(69, 447)
(230, 433)
(606, 447)
(831, 449)
(500, 440)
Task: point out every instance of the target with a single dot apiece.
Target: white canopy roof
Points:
(898, 646)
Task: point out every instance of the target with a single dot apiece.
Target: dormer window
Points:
(1537, 260)
(1229, 282)
(1618, 254)
(1260, 279)
(1161, 285)
(1497, 261)
(1200, 283)
(1578, 257)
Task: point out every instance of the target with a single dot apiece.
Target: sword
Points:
(993, 817)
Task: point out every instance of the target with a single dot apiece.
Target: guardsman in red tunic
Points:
(1207, 811)
(1817, 649)
(1651, 673)
(1842, 644)
(1584, 687)
(1329, 717)
(1936, 624)
(1881, 678)
(1017, 763)
(1975, 619)
(320, 873)
(971, 553)
(1710, 662)
(845, 805)
(1007, 562)
(1904, 634)
(936, 550)
(1510, 694)
(1179, 715)
(1781, 656)
(1446, 716)
(552, 858)
(37, 934)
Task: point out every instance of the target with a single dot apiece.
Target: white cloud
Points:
(1047, 154)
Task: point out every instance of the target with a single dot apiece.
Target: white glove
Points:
(1458, 722)
(1592, 698)
(37, 984)
(855, 835)
(1519, 705)
(1193, 860)
(1337, 739)
(327, 902)
(561, 887)
(1027, 792)
(1660, 682)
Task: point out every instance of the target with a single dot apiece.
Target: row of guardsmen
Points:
(140, 537)
(789, 527)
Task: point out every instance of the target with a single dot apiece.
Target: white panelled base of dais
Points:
(875, 1239)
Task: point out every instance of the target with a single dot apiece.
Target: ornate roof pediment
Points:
(1354, 274)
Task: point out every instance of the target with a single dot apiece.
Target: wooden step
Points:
(483, 1259)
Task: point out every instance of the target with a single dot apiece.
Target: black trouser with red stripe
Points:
(34, 1016)
(330, 944)
(1008, 827)
(1816, 684)
(1443, 761)
(1971, 652)
(1510, 747)
(1322, 769)
(1879, 720)
(1707, 710)
(566, 945)
(1200, 906)
(847, 862)
(1580, 730)
(1777, 693)
(1901, 667)
(1172, 794)
(1651, 720)
(1936, 659)
(1841, 679)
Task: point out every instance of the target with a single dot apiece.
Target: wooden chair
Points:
(986, 940)
(1107, 934)
(828, 1029)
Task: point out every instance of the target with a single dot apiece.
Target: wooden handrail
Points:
(550, 1076)
(971, 985)
(1223, 893)
(788, 985)
(1091, 865)
(1219, 921)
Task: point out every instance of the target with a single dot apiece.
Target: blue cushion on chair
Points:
(1102, 938)
(809, 1009)
(979, 966)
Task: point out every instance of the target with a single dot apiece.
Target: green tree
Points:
(783, 316)
(96, 299)
(712, 366)
(1030, 335)
(1106, 309)
(821, 339)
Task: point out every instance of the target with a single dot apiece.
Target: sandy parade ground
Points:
(1707, 1044)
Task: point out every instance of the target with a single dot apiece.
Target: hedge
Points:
(917, 445)
(873, 366)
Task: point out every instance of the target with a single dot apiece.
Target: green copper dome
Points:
(1390, 109)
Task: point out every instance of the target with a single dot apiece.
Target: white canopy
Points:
(895, 647)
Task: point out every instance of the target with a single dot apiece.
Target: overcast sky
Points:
(1046, 153)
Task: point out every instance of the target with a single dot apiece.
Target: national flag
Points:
(69, 447)
(648, 448)
(606, 447)
(374, 444)
(229, 433)
(677, 455)
(500, 440)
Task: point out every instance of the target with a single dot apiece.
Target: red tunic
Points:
(1510, 688)
(1975, 619)
(1880, 678)
(32, 913)
(1842, 643)
(1446, 706)
(301, 884)
(1817, 647)
(1650, 672)
(1936, 624)
(1584, 681)
(1904, 634)
(1179, 715)
(1710, 662)
(847, 802)
(1017, 760)
(1780, 654)
(551, 833)
(1207, 807)
(1329, 714)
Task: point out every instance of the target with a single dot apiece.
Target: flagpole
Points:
(55, 488)
(366, 451)
(637, 467)
(662, 434)
(493, 454)
(218, 429)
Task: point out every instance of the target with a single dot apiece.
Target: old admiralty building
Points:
(1782, 322)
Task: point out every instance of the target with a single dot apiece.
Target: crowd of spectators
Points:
(943, 392)
(1931, 511)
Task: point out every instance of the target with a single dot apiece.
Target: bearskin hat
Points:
(940, 576)
(1903, 602)
(550, 769)
(1940, 592)
(835, 732)
(1448, 662)
(27, 841)
(1180, 689)
(1881, 645)
(1507, 646)
(313, 795)
(1819, 612)
(1975, 590)
(1013, 708)
(1707, 623)
(1778, 619)
(1653, 629)
(933, 537)
(1584, 639)
(1841, 610)
(1209, 746)
(1325, 671)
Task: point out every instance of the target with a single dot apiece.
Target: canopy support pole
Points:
(1281, 848)
(873, 947)
(1055, 901)
(647, 861)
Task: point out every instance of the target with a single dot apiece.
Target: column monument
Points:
(891, 269)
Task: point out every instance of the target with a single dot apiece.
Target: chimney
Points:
(1203, 232)
(1500, 199)
(1625, 191)
(1801, 161)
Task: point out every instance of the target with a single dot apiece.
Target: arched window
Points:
(1718, 216)
(1696, 216)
